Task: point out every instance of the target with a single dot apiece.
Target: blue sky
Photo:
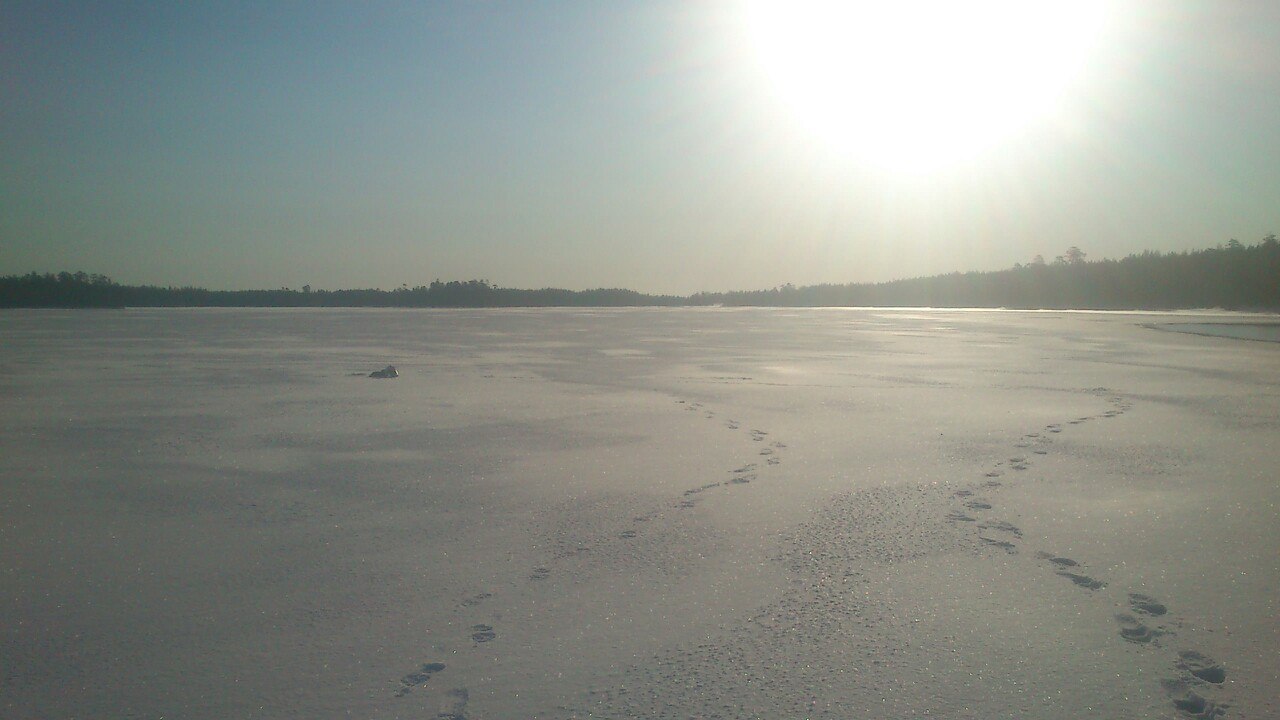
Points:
(585, 144)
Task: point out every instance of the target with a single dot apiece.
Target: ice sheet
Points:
(635, 513)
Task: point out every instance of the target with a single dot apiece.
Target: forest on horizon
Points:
(1234, 276)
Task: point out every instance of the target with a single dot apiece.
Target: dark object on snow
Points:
(386, 372)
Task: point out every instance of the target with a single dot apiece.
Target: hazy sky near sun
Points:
(661, 146)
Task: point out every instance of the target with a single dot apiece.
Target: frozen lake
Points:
(667, 513)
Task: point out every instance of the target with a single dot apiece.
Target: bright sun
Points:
(917, 86)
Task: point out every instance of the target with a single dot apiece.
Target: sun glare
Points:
(916, 86)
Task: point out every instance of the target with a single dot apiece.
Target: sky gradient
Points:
(582, 144)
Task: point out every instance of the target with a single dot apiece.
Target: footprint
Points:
(1198, 707)
(1190, 703)
(992, 484)
(539, 573)
(1134, 630)
(482, 633)
(766, 451)
(423, 674)
(1002, 526)
(773, 461)
(1002, 544)
(978, 505)
(1059, 561)
(963, 493)
(460, 696)
(1040, 452)
(957, 516)
(1083, 581)
(1146, 604)
(742, 479)
(476, 599)
(687, 503)
(732, 425)
(745, 469)
(994, 474)
(1202, 666)
(416, 679)
(778, 445)
(627, 534)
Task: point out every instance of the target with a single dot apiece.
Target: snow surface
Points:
(702, 513)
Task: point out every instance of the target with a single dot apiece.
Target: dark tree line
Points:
(78, 290)
(1232, 276)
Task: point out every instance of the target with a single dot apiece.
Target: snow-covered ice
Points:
(666, 513)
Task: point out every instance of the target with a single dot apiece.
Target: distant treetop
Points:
(1234, 276)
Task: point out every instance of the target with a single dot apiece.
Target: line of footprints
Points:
(770, 454)
(1144, 624)
(738, 476)
(1147, 619)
